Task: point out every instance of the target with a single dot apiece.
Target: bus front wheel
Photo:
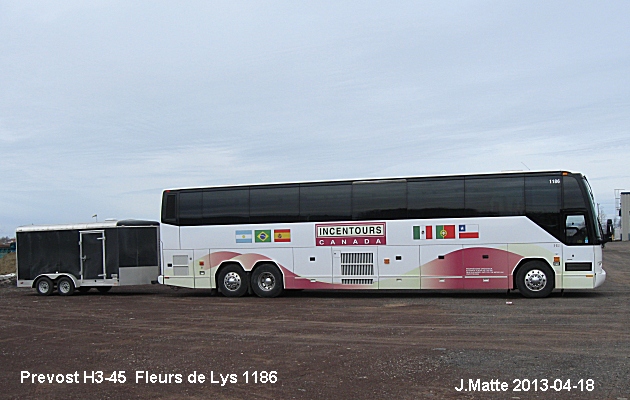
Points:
(535, 279)
(232, 281)
(267, 281)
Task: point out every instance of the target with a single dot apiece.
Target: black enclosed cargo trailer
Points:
(83, 256)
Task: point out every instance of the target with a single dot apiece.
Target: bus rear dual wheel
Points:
(535, 280)
(266, 281)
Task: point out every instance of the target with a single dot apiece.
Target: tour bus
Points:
(531, 231)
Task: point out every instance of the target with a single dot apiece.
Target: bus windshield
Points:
(591, 200)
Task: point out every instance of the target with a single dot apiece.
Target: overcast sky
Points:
(103, 104)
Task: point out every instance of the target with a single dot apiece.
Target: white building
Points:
(625, 215)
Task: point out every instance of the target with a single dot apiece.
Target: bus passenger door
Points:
(578, 255)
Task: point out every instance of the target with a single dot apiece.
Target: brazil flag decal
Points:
(263, 236)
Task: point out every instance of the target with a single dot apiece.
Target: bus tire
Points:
(44, 286)
(65, 286)
(267, 281)
(232, 281)
(103, 289)
(535, 279)
(84, 289)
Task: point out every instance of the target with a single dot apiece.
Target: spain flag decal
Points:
(282, 235)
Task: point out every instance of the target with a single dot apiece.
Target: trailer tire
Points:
(535, 279)
(103, 289)
(267, 281)
(65, 286)
(233, 281)
(44, 286)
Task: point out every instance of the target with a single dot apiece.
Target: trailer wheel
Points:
(267, 281)
(65, 286)
(103, 289)
(44, 286)
(535, 279)
(232, 281)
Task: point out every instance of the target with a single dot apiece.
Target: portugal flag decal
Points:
(445, 231)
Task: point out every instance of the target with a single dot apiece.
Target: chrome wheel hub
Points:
(535, 280)
(232, 281)
(266, 281)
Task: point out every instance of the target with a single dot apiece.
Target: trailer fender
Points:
(54, 278)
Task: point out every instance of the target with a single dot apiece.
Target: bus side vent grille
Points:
(180, 265)
(180, 261)
(357, 281)
(357, 264)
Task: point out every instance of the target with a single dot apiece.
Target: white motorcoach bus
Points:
(531, 231)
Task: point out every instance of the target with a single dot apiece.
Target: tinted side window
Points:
(326, 202)
(543, 202)
(169, 210)
(496, 196)
(379, 200)
(573, 197)
(542, 194)
(274, 204)
(435, 198)
(190, 207)
(226, 206)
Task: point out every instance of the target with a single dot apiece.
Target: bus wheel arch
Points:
(267, 280)
(534, 278)
(232, 280)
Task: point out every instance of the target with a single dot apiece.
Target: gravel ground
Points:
(320, 344)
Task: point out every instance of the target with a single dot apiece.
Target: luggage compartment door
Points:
(92, 255)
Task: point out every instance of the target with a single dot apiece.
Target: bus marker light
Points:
(386, 261)
(590, 275)
(201, 263)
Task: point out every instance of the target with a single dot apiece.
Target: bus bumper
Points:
(600, 278)
(161, 279)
